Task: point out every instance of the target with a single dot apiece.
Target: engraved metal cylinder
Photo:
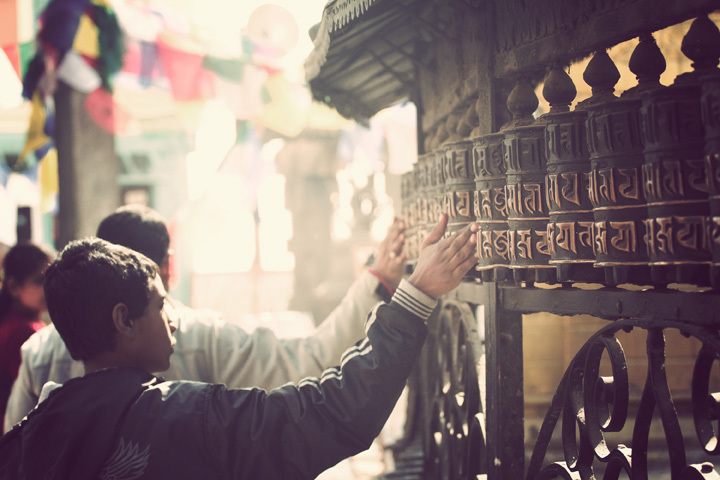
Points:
(615, 189)
(675, 184)
(525, 163)
(459, 185)
(570, 225)
(436, 192)
(710, 114)
(422, 194)
(490, 207)
(409, 214)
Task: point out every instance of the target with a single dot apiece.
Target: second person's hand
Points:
(389, 259)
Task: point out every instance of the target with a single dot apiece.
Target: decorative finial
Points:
(522, 103)
(602, 75)
(647, 63)
(559, 89)
(701, 44)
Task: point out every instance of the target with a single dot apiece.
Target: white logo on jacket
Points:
(126, 463)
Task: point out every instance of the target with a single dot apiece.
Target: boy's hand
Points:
(389, 257)
(444, 261)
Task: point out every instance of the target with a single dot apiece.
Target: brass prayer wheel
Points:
(491, 207)
(422, 186)
(615, 189)
(710, 111)
(675, 184)
(526, 164)
(570, 223)
(409, 214)
(459, 185)
(525, 195)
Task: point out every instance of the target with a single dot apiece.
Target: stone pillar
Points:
(309, 164)
(87, 168)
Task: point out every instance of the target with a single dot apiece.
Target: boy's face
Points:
(154, 331)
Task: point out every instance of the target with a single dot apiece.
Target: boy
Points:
(119, 421)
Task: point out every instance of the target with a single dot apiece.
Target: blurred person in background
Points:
(209, 349)
(22, 302)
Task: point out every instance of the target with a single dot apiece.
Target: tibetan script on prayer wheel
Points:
(422, 185)
(491, 207)
(459, 185)
(710, 112)
(675, 184)
(570, 227)
(615, 188)
(436, 191)
(409, 214)
(525, 163)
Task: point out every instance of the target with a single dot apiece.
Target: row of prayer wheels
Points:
(620, 189)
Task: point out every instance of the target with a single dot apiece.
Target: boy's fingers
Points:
(459, 240)
(466, 251)
(467, 264)
(437, 233)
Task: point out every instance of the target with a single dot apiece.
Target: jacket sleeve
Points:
(242, 359)
(300, 430)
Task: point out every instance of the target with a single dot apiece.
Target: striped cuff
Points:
(413, 300)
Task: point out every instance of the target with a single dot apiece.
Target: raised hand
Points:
(389, 258)
(444, 261)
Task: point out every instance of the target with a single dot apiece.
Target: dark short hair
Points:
(21, 262)
(83, 285)
(137, 227)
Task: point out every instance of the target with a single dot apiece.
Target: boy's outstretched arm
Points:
(298, 431)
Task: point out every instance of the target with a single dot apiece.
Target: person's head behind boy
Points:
(107, 302)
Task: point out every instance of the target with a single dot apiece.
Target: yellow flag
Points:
(48, 181)
(35, 137)
(86, 38)
(284, 112)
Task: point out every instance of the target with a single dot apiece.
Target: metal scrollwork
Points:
(592, 405)
(455, 438)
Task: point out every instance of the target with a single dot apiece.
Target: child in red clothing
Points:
(22, 301)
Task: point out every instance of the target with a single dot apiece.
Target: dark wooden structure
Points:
(619, 191)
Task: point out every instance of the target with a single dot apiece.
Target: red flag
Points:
(13, 54)
(105, 112)
(184, 70)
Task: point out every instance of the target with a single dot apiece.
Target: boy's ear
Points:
(123, 323)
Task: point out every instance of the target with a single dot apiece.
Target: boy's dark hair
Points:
(83, 285)
(139, 228)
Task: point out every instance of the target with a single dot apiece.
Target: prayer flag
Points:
(76, 72)
(184, 70)
(284, 113)
(86, 38)
(48, 181)
(60, 22)
(36, 136)
(105, 112)
(13, 55)
(26, 51)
